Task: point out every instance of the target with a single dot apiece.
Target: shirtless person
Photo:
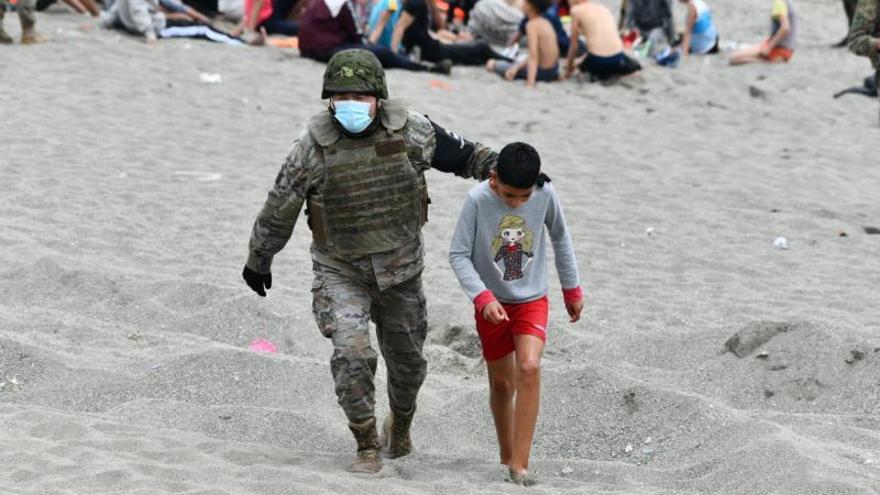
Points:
(542, 63)
(605, 58)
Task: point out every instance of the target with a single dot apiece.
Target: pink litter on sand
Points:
(262, 345)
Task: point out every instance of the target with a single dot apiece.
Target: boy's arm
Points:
(782, 32)
(431, 146)
(563, 250)
(403, 22)
(254, 15)
(380, 26)
(688, 29)
(274, 224)
(862, 39)
(533, 40)
(460, 256)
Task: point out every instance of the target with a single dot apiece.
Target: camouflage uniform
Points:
(864, 31)
(366, 203)
(26, 15)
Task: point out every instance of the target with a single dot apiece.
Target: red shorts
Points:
(778, 54)
(525, 319)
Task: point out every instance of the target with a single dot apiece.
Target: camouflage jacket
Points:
(428, 145)
(864, 30)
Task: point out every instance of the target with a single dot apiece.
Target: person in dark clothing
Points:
(552, 15)
(653, 21)
(413, 31)
(271, 16)
(328, 26)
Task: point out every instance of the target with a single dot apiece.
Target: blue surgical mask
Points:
(353, 115)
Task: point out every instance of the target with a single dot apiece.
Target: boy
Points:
(383, 17)
(779, 47)
(605, 58)
(700, 35)
(542, 63)
(29, 35)
(498, 254)
(140, 17)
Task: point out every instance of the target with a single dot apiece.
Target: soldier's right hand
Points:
(259, 282)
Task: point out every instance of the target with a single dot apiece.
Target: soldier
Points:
(359, 167)
(863, 34)
(29, 35)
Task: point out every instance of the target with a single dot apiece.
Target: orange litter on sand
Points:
(289, 42)
(438, 84)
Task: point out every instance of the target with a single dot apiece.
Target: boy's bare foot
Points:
(522, 478)
(5, 39)
(32, 38)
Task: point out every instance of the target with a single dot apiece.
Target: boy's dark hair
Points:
(519, 166)
(540, 5)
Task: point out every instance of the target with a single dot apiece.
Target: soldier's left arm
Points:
(431, 146)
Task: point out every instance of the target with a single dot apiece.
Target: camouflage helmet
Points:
(354, 71)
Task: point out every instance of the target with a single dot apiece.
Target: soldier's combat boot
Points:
(29, 34)
(5, 39)
(396, 431)
(368, 458)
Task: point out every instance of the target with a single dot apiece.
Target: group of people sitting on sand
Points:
(531, 40)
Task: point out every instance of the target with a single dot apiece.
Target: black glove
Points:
(257, 281)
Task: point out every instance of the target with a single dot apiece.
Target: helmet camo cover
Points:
(354, 71)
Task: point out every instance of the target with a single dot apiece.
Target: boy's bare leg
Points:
(91, 7)
(746, 55)
(502, 388)
(528, 397)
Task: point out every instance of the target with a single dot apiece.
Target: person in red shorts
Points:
(498, 254)
(779, 47)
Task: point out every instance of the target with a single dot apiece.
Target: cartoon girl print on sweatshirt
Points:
(512, 244)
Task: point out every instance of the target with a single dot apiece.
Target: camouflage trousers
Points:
(344, 304)
(25, 8)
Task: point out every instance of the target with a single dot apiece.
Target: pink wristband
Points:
(483, 299)
(574, 294)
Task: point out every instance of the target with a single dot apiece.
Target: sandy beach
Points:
(128, 188)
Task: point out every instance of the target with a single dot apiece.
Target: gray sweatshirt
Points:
(503, 251)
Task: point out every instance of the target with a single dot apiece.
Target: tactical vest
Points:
(372, 199)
